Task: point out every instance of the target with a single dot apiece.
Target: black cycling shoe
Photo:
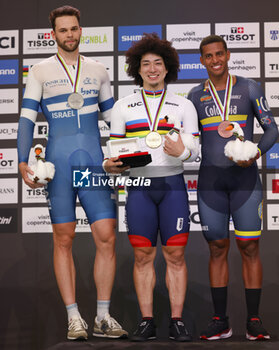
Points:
(178, 331)
(255, 329)
(218, 328)
(146, 330)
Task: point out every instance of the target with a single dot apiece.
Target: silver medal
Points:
(75, 100)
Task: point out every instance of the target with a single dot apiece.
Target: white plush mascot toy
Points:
(43, 171)
(239, 149)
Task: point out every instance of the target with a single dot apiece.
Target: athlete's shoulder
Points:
(45, 63)
(134, 97)
(197, 89)
(175, 98)
(93, 63)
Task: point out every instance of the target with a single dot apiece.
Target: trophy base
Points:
(135, 160)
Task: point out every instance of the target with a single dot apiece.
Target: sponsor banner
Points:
(272, 157)
(122, 69)
(272, 185)
(8, 191)
(272, 94)
(181, 89)
(37, 41)
(8, 161)
(125, 90)
(8, 42)
(271, 64)
(8, 101)
(104, 128)
(8, 220)
(107, 61)
(128, 34)
(82, 221)
(33, 195)
(27, 64)
(36, 219)
(41, 130)
(191, 67)
(239, 35)
(187, 36)
(122, 223)
(245, 64)
(191, 182)
(273, 217)
(96, 39)
(8, 131)
(8, 72)
(271, 34)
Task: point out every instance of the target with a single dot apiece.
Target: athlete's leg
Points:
(218, 262)
(63, 235)
(145, 278)
(105, 262)
(176, 278)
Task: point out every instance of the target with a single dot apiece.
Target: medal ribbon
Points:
(74, 83)
(223, 109)
(153, 125)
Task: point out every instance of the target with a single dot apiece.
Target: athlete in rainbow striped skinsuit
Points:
(226, 188)
(164, 205)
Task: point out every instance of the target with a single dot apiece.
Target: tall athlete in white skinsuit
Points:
(70, 88)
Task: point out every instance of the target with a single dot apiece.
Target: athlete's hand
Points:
(245, 163)
(113, 166)
(173, 148)
(25, 170)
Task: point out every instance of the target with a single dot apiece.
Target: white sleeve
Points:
(190, 133)
(106, 100)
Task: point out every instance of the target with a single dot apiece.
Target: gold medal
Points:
(153, 139)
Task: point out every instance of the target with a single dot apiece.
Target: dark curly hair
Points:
(151, 43)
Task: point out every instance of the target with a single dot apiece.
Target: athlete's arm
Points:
(28, 116)
(117, 131)
(106, 100)
(264, 117)
(190, 134)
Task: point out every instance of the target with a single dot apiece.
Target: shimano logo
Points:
(7, 71)
(192, 66)
(131, 37)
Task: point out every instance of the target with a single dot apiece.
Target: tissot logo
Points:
(8, 220)
(240, 34)
(38, 41)
(42, 36)
(8, 161)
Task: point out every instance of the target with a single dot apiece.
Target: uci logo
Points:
(135, 104)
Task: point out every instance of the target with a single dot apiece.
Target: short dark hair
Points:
(212, 39)
(63, 11)
(151, 43)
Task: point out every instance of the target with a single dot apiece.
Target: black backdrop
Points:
(32, 315)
